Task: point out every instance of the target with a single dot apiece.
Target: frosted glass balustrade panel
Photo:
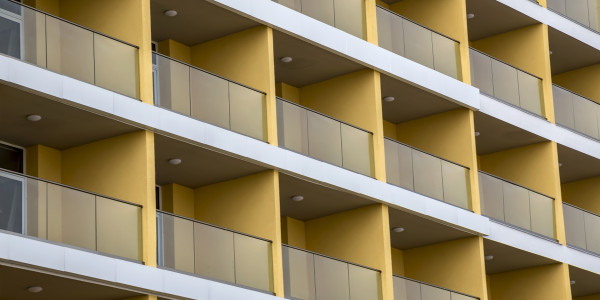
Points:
(506, 86)
(214, 253)
(481, 72)
(177, 243)
(418, 45)
(446, 55)
(70, 50)
(398, 164)
(324, 139)
(210, 98)
(119, 228)
(492, 196)
(357, 148)
(592, 232)
(585, 112)
(455, 184)
(427, 175)
(575, 226)
(174, 85)
(247, 111)
(563, 107)
(542, 214)
(298, 274)
(71, 217)
(292, 127)
(253, 262)
(516, 206)
(116, 66)
(331, 277)
(364, 283)
(530, 93)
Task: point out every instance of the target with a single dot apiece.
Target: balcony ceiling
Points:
(197, 21)
(310, 64)
(492, 18)
(62, 126)
(576, 165)
(411, 102)
(199, 167)
(569, 54)
(507, 258)
(15, 282)
(586, 283)
(419, 231)
(496, 135)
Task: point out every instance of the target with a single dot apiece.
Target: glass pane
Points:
(70, 50)
(594, 14)
(324, 139)
(174, 85)
(210, 98)
(578, 11)
(331, 277)
(428, 175)
(178, 243)
(10, 7)
(563, 107)
(400, 289)
(557, 5)
(505, 82)
(11, 158)
(292, 127)
(364, 283)
(349, 16)
(36, 208)
(516, 205)
(530, 93)
(592, 232)
(298, 274)
(116, 66)
(119, 231)
(71, 217)
(433, 293)
(214, 253)
(574, 226)
(398, 165)
(357, 153)
(34, 28)
(11, 203)
(542, 214)
(491, 194)
(247, 109)
(293, 4)
(253, 262)
(10, 37)
(446, 55)
(585, 110)
(481, 72)
(321, 10)
(384, 29)
(455, 179)
(418, 45)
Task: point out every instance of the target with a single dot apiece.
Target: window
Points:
(11, 158)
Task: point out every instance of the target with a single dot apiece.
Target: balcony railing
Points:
(426, 174)
(67, 48)
(309, 275)
(194, 92)
(316, 135)
(346, 15)
(63, 214)
(418, 43)
(582, 228)
(217, 253)
(513, 204)
(507, 83)
(410, 289)
(585, 12)
(576, 112)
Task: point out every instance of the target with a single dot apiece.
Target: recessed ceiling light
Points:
(34, 118)
(286, 59)
(389, 99)
(559, 165)
(398, 229)
(170, 13)
(35, 289)
(470, 16)
(175, 161)
(572, 282)
(550, 52)
(488, 257)
(297, 198)
(477, 133)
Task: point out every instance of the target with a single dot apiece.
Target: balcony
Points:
(217, 253)
(410, 289)
(426, 174)
(324, 138)
(576, 112)
(194, 92)
(584, 12)
(418, 43)
(69, 49)
(582, 228)
(515, 205)
(507, 83)
(346, 15)
(309, 275)
(63, 214)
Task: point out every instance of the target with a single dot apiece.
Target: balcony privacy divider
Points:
(507, 83)
(410, 289)
(67, 215)
(309, 275)
(513, 204)
(418, 43)
(426, 174)
(576, 112)
(582, 228)
(319, 136)
(584, 12)
(202, 95)
(214, 252)
(64, 47)
(346, 15)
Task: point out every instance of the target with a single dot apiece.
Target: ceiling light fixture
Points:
(297, 198)
(398, 229)
(34, 118)
(35, 289)
(550, 52)
(389, 99)
(470, 16)
(572, 282)
(477, 133)
(488, 257)
(559, 165)
(170, 13)
(175, 161)
(286, 59)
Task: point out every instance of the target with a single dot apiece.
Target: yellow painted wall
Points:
(175, 50)
(288, 92)
(389, 130)
(583, 193)
(49, 6)
(539, 283)
(457, 265)
(178, 199)
(293, 232)
(582, 81)
(590, 297)
(528, 49)
(398, 262)
(43, 162)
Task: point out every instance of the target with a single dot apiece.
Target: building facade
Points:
(300, 149)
